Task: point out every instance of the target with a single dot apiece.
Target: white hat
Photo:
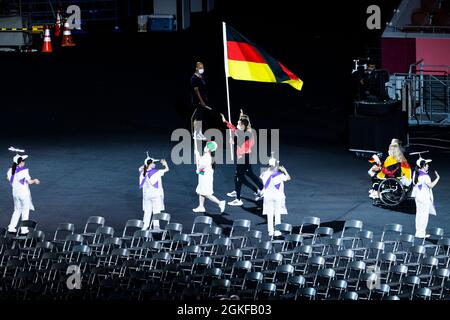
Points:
(422, 159)
(395, 142)
(149, 158)
(272, 162)
(17, 156)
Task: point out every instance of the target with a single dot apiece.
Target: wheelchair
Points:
(391, 192)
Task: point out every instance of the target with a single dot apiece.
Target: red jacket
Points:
(249, 141)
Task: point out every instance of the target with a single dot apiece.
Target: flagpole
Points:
(225, 57)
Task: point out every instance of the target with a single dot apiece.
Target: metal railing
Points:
(425, 93)
(419, 29)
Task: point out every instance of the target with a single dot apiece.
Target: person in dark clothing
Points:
(199, 100)
(246, 141)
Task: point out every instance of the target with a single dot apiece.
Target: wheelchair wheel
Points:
(391, 192)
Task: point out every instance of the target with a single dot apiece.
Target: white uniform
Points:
(21, 195)
(206, 175)
(152, 195)
(424, 203)
(274, 204)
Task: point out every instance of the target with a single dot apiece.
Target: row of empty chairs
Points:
(207, 262)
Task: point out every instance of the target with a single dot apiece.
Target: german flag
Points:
(248, 62)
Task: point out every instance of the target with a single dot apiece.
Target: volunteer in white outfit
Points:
(20, 179)
(205, 171)
(274, 204)
(423, 195)
(152, 191)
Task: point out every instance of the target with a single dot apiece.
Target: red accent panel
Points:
(433, 52)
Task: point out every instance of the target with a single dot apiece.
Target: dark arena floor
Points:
(88, 174)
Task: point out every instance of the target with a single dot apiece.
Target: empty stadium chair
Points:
(391, 235)
(337, 289)
(354, 272)
(309, 224)
(209, 234)
(163, 220)
(423, 294)
(170, 230)
(199, 224)
(238, 272)
(292, 285)
(266, 290)
(130, 227)
(322, 233)
(362, 240)
(351, 296)
(300, 258)
(282, 274)
(395, 277)
(251, 241)
(238, 231)
(322, 281)
(250, 284)
(409, 286)
(218, 287)
(92, 223)
(440, 276)
(350, 232)
(305, 294)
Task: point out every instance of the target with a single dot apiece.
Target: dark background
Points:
(128, 81)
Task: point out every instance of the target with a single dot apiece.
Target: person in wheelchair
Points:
(394, 166)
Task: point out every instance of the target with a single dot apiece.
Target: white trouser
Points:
(151, 206)
(271, 216)
(21, 211)
(422, 215)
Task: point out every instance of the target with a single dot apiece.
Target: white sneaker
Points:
(199, 136)
(199, 209)
(12, 230)
(232, 194)
(222, 205)
(259, 195)
(277, 233)
(236, 203)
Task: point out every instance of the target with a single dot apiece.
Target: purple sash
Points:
(421, 173)
(147, 176)
(18, 169)
(273, 175)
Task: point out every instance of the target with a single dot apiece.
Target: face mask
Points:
(201, 71)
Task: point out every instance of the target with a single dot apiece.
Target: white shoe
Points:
(259, 195)
(199, 136)
(199, 209)
(277, 233)
(236, 203)
(232, 194)
(222, 205)
(12, 230)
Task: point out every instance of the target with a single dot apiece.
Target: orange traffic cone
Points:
(67, 40)
(47, 45)
(58, 24)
